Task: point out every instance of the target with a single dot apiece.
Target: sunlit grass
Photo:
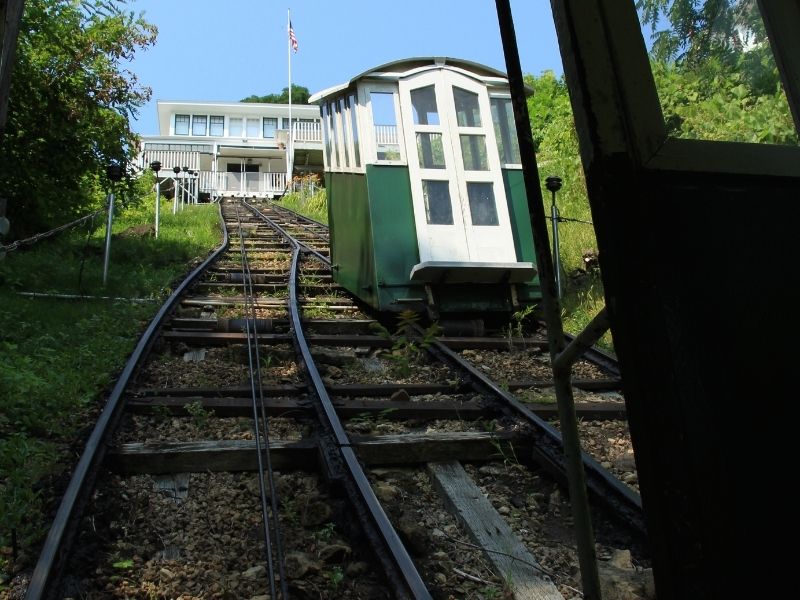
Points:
(57, 355)
(313, 205)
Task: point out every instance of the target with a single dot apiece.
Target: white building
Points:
(234, 148)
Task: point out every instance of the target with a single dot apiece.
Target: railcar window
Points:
(384, 120)
(345, 135)
(235, 127)
(270, 127)
(217, 126)
(335, 141)
(199, 124)
(181, 124)
(438, 208)
(423, 104)
(481, 203)
(430, 150)
(468, 112)
(473, 151)
(503, 120)
(326, 135)
(351, 104)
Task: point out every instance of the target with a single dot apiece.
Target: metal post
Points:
(576, 478)
(185, 193)
(156, 166)
(554, 184)
(114, 173)
(175, 170)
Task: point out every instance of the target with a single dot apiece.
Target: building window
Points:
(199, 124)
(181, 124)
(235, 127)
(217, 126)
(351, 102)
(252, 128)
(270, 126)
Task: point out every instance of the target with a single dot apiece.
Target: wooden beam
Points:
(510, 558)
(240, 455)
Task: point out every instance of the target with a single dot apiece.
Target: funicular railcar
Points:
(426, 201)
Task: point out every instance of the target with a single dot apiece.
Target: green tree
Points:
(300, 95)
(71, 100)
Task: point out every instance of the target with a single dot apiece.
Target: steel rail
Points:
(259, 412)
(402, 571)
(51, 558)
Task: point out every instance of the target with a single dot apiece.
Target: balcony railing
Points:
(242, 184)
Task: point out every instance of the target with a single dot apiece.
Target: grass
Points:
(58, 357)
(311, 204)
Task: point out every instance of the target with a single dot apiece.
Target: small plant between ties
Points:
(200, 415)
(407, 348)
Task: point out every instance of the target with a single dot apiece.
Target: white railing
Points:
(307, 132)
(386, 134)
(240, 184)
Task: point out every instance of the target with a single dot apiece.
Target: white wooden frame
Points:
(369, 146)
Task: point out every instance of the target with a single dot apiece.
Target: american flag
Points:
(292, 38)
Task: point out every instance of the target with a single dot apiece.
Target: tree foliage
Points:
(300, 95)
(70, 103)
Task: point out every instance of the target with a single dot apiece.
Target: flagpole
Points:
(289, 53)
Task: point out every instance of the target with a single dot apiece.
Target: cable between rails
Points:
(261, 427)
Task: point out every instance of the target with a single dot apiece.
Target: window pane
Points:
(481, 204)
(354, 124)
(430, 150)
(467, 112)
(252, 128)
(270, 125)
(217, 126)
(504, 131)
(438, 209)
(384, 120)
(199, 123)
(181, 124)
(345, 132)
(715, 72)
(473, 150)
(326, 135)
(423, 104)
(235, 127)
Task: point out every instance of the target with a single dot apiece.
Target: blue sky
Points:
(213, 50)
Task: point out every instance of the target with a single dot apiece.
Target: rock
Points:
(260, 597)
(414, 536)
(629, 477)
(335, 553)
(386, 492)
(555, 500)
(440, 555)
(298, 564)
(355, 569)
(255, 572)
(621, 559)
(490, 470)
(315, 512)
(400, 396)
(518, 502)
(166, 574)
(504, 510)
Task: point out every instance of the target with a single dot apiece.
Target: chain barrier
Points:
(41, 236)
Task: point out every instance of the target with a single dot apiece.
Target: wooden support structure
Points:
(502, 548)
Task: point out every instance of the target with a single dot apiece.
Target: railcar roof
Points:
(398, 67)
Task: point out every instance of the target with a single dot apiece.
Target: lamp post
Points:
(114, 174)
(195, 186)
(553, 184)
(185, 193)
(175, 170)
(156, 167)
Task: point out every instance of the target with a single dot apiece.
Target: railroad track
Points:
(271, 439)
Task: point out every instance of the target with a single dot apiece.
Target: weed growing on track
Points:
(58, 357)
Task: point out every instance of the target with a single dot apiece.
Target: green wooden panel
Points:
(521, 226)
(392, 217)
(351, 233)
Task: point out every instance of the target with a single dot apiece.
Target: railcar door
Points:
(460, 205)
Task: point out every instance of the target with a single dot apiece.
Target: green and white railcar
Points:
(426, 201)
